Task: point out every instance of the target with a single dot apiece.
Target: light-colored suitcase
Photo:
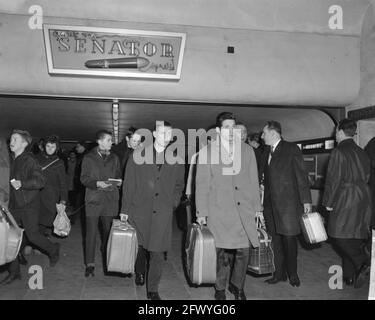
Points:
(313, 227)
(122, 247)
(200, 255)
(10, 236)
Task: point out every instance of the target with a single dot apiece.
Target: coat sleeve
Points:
(62, 181)
(86, 178)
(128, 188)
(202, 185)
(180, 184)
(301, 176)
(254, 182)
(333, 176)
(35, 179)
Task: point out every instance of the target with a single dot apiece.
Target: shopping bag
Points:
(261, 260)
(10, 236)
(61, 225)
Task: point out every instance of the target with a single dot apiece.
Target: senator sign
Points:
(88, 51)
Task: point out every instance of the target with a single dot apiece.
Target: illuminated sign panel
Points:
(89, 51)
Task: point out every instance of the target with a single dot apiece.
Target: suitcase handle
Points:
(10, 217)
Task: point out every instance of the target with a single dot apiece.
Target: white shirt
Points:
(273, 148)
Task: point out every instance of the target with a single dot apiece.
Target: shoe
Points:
(349, 281)
(21, 259)
(220, 295)
(294, 281)
(89, 271)
(139, 279)
(10, 278)
(362, 276)
(238, 294)
(275, 279)
(55, 256)
(153, 296)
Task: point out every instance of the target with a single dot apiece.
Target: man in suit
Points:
(229, 200)
(151, 192)
(286, 197)
(347, 196)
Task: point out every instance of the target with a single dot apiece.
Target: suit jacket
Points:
(149, 196)
(228, 201)
(4, 172)
(347, 192)
(286, 189)
(100, 202)
(370, 149)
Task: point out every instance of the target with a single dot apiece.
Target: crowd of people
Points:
(271, 185)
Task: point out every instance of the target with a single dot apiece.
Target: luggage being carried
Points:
(200, 255)
(261, 260)
(10, 236)
(122, 247)
(61, 224)
(313, 227)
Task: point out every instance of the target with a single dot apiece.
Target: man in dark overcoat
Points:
(347, 198)
(151, 191)
(286, 197)
(101, 197)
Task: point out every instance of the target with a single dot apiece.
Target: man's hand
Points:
(202, 220)
(329, 209)
(103, 184)
(307, 207)
(16, 184)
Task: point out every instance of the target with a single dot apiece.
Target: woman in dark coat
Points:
(55, 190)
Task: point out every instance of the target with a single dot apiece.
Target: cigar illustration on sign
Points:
(128, 63)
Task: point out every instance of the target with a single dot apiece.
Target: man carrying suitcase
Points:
(151, 191)
(26, 180)
(228, 200)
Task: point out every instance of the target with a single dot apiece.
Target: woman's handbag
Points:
(10, 236)
(261, 260)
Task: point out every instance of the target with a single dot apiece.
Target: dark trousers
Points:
(352, 254)
(155, 270)
(235, 260)
(28, 219)
(285, 247)
(91, 233)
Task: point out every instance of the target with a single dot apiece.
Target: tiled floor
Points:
(66, 280)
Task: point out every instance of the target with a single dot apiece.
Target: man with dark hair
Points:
(348, 199)
(125, 148)
(228, 201)
(150, 194)
(101, 197)
(26, 180)
(286, 197)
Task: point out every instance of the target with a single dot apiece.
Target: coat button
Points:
(156, 194)
(238, 203)
(154, 211)
(236, 188)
